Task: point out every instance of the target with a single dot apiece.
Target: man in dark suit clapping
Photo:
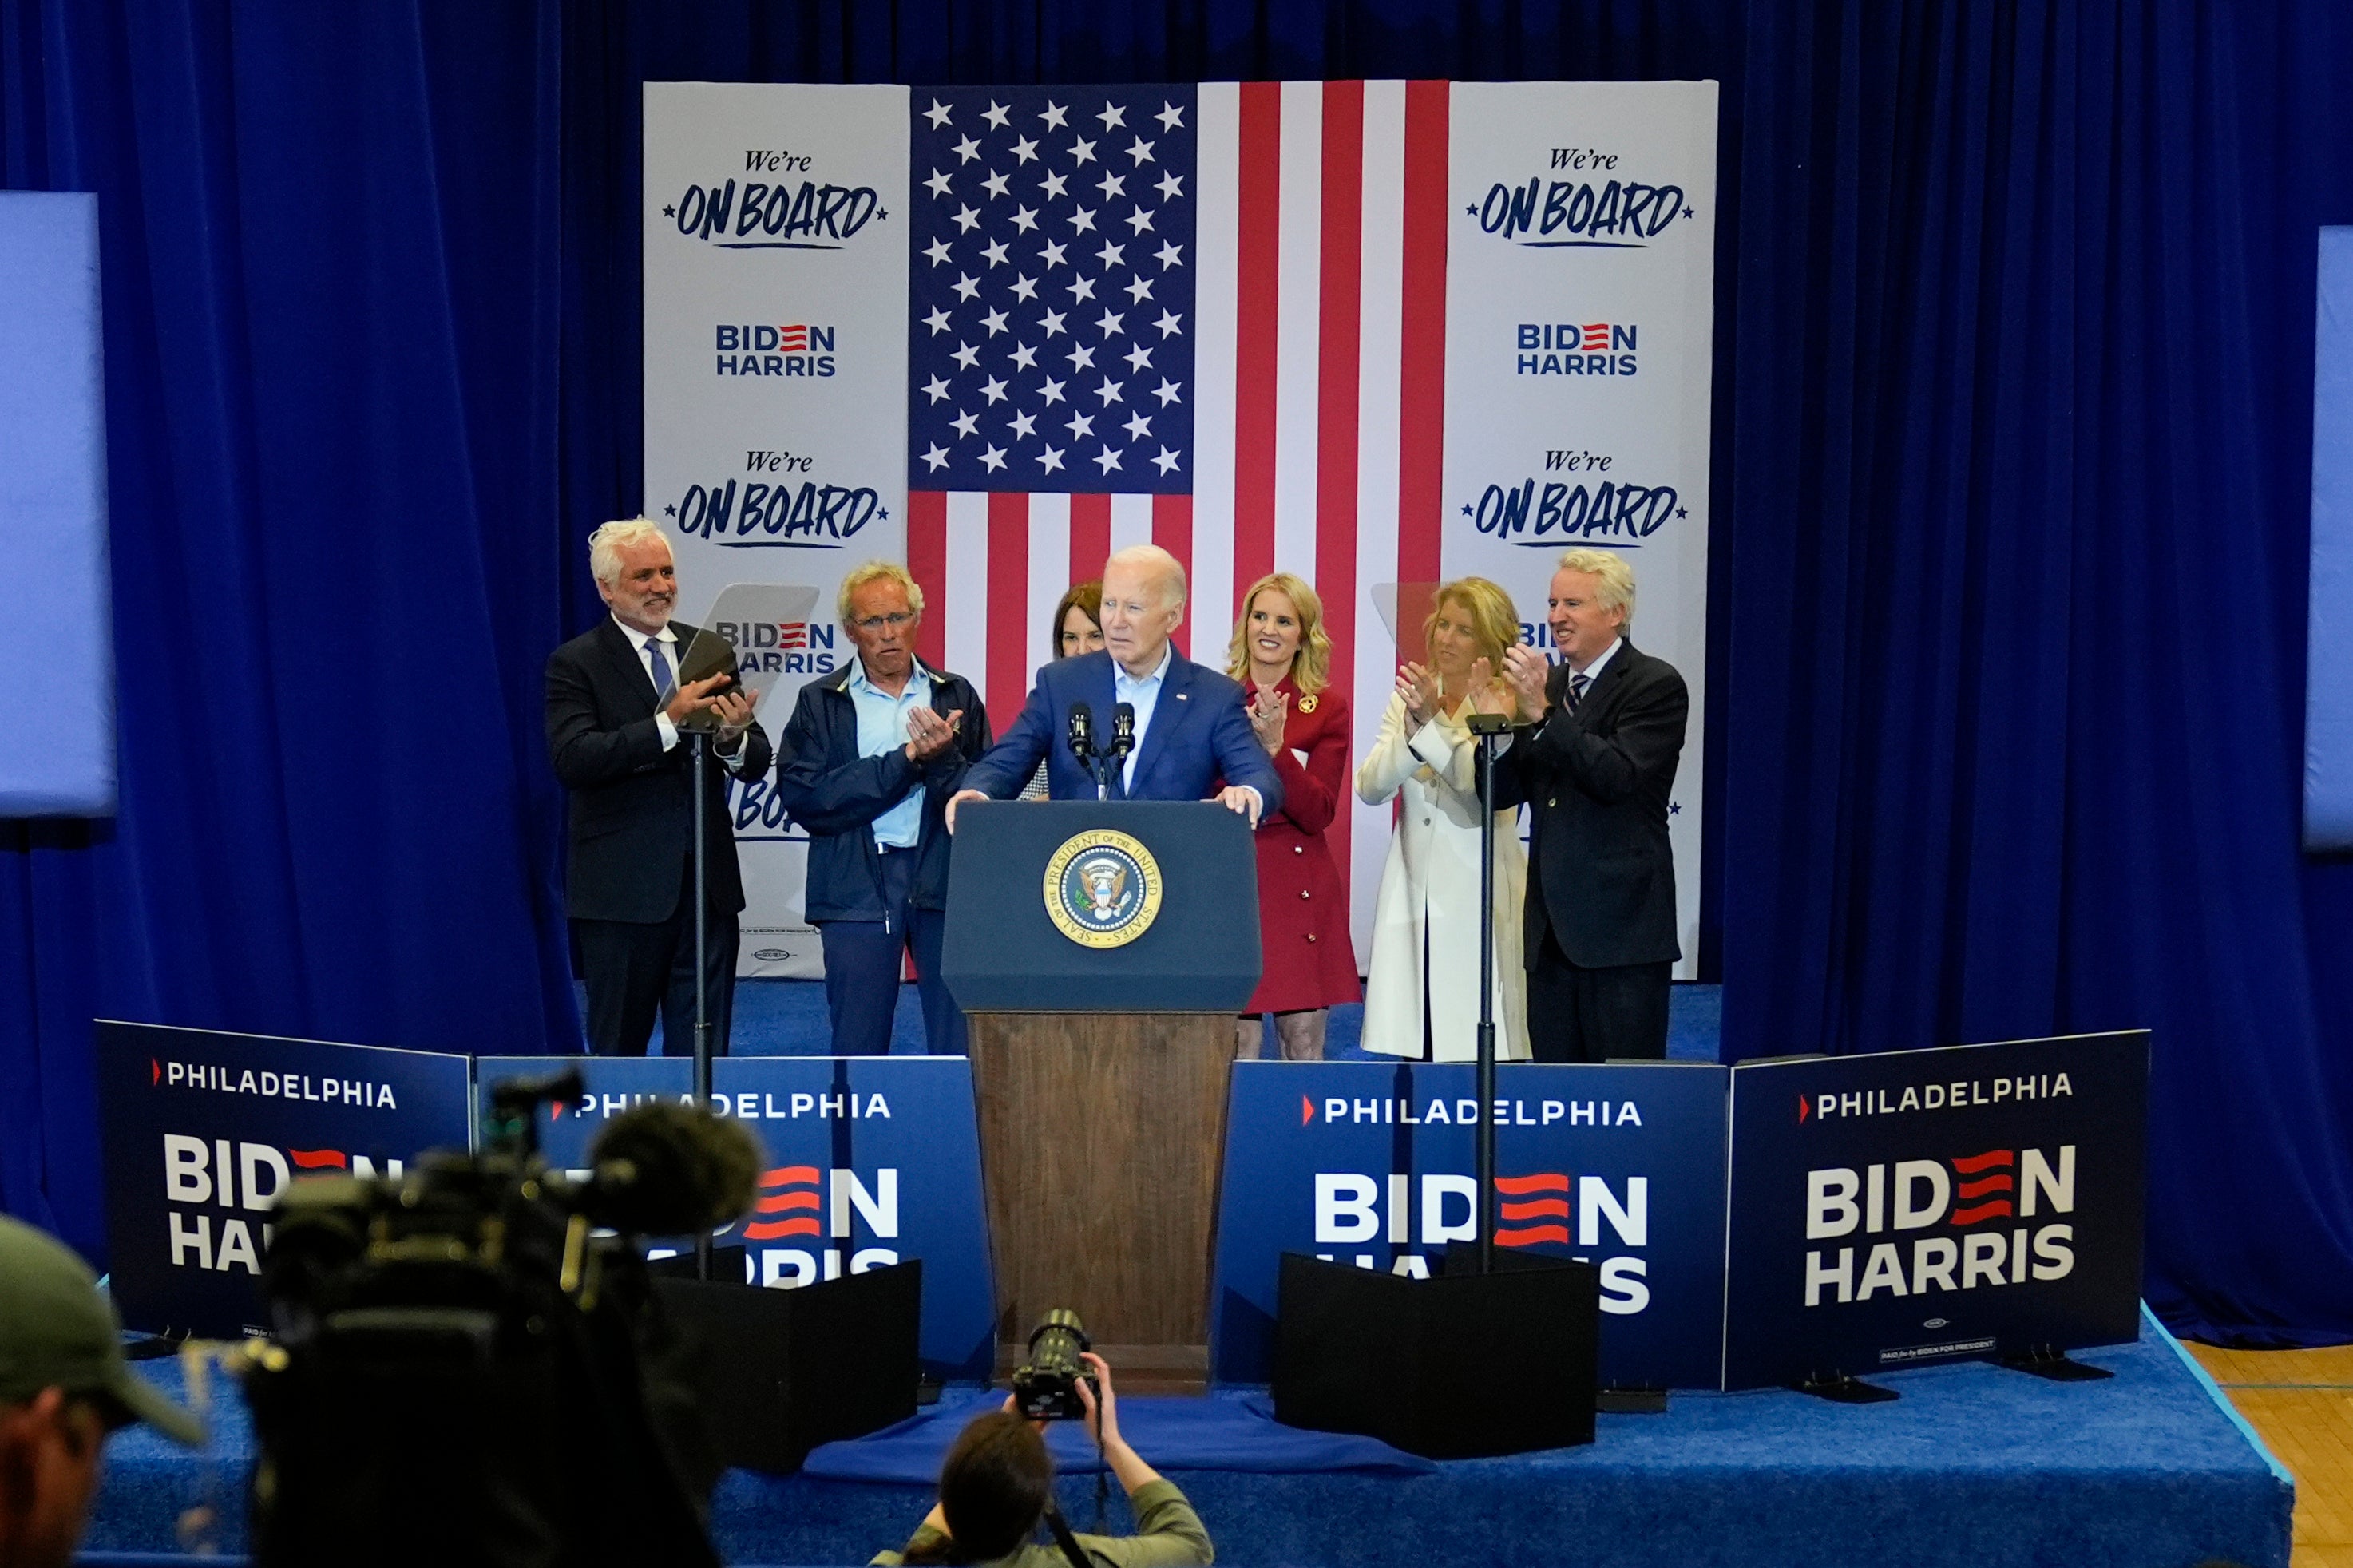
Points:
(615, 708)
(1594, 757)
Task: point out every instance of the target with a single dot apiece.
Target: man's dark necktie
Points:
(662, 681)
(1577, 685)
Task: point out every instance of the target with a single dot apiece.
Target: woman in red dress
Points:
(1281, 656)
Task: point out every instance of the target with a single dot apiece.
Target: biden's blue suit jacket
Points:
(1199, 734)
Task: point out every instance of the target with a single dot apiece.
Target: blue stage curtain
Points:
(329, 237)
(2013, 373)
(2022, 390)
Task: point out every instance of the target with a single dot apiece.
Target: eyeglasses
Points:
(894, 620)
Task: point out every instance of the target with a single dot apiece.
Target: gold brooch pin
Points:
(1307, 704)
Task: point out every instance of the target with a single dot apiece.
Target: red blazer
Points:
(1302, 908)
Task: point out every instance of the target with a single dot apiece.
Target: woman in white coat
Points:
(1424, 978)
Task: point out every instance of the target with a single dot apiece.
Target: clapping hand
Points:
(1269, 714)
(1526, 671)
(1488, 694)
(1423, 695)
(929, 734)
(734, 710)
(695, 698)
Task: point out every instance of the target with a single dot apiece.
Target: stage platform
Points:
(1974, 1466)
(787, 1019)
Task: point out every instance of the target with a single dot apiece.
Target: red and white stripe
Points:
(1320, 360)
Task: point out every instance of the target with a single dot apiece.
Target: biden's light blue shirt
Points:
(883, 727)
(1143, 696)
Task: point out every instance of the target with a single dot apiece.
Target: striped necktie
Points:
(1577, 685)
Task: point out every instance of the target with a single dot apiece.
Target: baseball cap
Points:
(57, 1331)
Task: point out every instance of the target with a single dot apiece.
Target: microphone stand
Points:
(699, 740)
(1082, 742)
(1484, 727)
(1122, 741)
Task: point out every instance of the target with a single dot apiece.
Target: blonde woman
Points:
(1421, 997)
(1281, 656)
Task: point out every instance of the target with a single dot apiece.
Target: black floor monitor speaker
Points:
(1457, 1367)
(776, 1372)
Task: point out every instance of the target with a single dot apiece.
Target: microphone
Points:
(1122, 730)
(667, 1169)
(1082, 732)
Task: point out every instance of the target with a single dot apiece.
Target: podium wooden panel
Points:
(1101, 1139)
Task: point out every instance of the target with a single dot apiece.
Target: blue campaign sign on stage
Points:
(1921, 1206)
(1369, 1164)
(871, 1160)
(610, 1085)
(203, 1129)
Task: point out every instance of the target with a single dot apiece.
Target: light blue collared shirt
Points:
(1143, 696)
(883, 727)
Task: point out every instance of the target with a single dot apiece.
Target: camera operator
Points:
(999, 1482)
(63, 1388)
(467, 1364)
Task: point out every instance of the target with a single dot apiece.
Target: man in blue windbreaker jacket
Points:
(866, 764)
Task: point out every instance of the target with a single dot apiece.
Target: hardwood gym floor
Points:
(2302, 1403)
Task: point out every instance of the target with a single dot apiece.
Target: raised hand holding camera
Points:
(1051, 1385)
(1101, 1402)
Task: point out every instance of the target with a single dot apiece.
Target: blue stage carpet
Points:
(1235, 1430)
(1975, 1467)
(787, 1019)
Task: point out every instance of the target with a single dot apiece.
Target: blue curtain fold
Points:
(2014, 634)
(2011, 456)
(329, 240)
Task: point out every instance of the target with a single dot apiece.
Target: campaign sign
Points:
(871, 1160)
(609, 1085)
(1369, 1164)
(1935, 1206)
(203, 1131)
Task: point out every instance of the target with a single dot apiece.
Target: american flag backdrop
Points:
(998, 332)
(1212, 318)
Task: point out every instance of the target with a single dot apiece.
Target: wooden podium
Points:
(1100, 1059)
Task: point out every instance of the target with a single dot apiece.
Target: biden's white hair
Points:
(605, 545)
(1157, 563)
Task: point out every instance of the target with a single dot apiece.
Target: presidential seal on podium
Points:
(1103, 888)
